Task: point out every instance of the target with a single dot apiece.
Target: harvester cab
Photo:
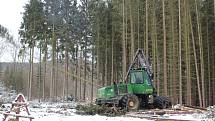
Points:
(140, 71)
(136, 91)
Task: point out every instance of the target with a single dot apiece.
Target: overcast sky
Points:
(11, 17)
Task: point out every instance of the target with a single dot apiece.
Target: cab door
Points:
(140, 82)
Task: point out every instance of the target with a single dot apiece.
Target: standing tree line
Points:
(89, 44)
(12, 73)
(177, 35)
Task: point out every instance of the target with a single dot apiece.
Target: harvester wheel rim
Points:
(131, 103)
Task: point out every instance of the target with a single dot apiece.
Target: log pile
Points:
(162, 113)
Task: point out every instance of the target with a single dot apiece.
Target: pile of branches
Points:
(92, 109)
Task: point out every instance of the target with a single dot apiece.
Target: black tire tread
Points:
(161, 102)
(124, 100)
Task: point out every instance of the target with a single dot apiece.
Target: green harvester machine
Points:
(136, 91)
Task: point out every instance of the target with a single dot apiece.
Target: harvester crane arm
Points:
(140, 61)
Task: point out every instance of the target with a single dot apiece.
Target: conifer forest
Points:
(73, 47)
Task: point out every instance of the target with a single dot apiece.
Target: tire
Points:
(144, 102)
(130, 102)
(161, 102)
(167, 101)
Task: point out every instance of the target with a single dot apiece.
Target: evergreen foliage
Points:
(92, 109)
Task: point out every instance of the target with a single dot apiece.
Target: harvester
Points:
(136, 90)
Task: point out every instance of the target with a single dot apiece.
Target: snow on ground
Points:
(58, 117)
(66, 112)
(178, 117)
(48, 111)
(190, 117)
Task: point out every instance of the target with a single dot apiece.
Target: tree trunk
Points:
(45, 64)
(76, 73)
(209, 71)
(213, 75)
(55, 90)
(174, 63)
(201, 54)
(138, 24)
(66, 71)
(92, 75)
(187, 55)
(164, 50)
(53, 64)
(180, 61)
(98, 56)
(32, 73)
(146, 38)
(158, 73)
(214, 7)
(213, 71)
(85, 74)
(124, 55)
(196, 63)
(154, 40)
(106, 53)
(132, 31)
(112, 54)
(80, 71)
(40, 74)
(29, 76)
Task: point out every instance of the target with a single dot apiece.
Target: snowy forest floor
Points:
(45, 111)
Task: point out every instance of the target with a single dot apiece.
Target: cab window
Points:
(146, 78)
(137, 77)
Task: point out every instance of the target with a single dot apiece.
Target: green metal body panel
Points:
(108, 91)
(139, 83)
(141, 89)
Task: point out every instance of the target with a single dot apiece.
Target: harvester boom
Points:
(140, 61)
